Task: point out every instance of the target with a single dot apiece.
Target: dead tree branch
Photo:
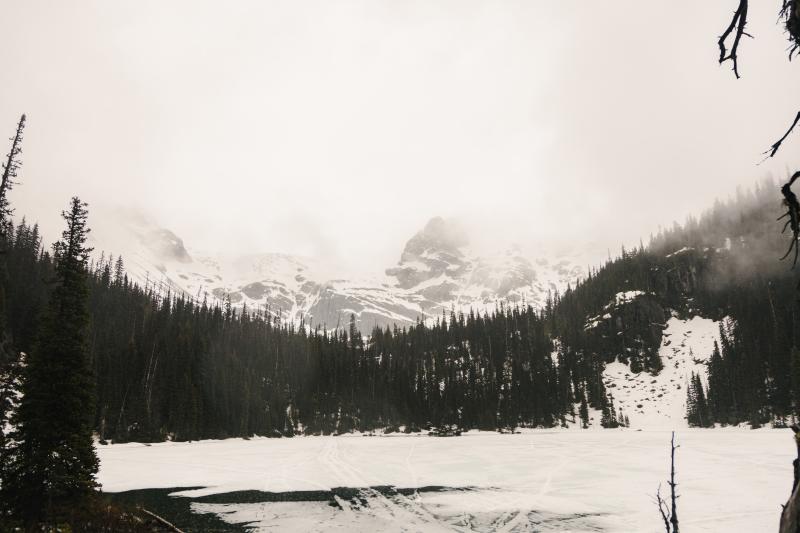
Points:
(663, 508)
(737, 25)
(777, 145)
(793, 212)
(790, 12)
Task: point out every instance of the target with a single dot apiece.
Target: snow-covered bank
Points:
(730, 480)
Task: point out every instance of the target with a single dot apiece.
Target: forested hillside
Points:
(167, 367)
(723, 264)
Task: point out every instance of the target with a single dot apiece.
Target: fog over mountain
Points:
(437, 271)
(337, 130)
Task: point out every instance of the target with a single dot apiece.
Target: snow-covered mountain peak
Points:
(434, 253)
(438, 271)
(439, 236)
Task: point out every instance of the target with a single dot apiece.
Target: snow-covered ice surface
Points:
(660, 401)
(539, 480)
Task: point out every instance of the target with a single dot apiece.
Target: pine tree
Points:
(691, 402)
(54, 463)
(10, 394)
(609, 418)
(119, 271)
(584, 412)
(718, 389)
(701, 405)
(10, 169)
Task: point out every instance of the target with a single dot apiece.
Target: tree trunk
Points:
(790, 517)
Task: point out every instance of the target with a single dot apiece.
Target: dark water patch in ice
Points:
(178, 508)
(174, 509)
(356, 509)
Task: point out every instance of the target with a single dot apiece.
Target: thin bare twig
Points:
(662, 508)
(738, 23)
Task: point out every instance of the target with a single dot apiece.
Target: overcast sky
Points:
(338, 129)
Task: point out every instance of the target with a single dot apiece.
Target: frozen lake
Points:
(560, 480)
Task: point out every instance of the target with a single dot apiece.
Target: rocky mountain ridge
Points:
(437, 271)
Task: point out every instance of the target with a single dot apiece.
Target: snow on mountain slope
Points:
(437, 272)
(660, 401)
(440, 272)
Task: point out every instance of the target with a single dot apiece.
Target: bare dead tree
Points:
(669, 513)
(673, 486)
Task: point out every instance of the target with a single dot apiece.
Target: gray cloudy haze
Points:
(337, 129)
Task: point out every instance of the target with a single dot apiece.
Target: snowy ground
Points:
(566, 480)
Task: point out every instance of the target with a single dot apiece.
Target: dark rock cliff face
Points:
(631, 325)
(630, 328)
(677, 278)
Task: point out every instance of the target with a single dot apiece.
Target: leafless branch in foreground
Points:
(663, 508)
(736, 27)
(790, 12)
(777, 145)
(793, 212)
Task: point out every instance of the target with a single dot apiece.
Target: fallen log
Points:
(162, 521)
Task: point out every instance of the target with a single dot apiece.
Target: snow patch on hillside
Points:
(622, 298)
(681, 251)
(660, 401)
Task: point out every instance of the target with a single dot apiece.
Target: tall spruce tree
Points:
(53, 464)
(10, 169)
(584, 413)
(10, 360)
